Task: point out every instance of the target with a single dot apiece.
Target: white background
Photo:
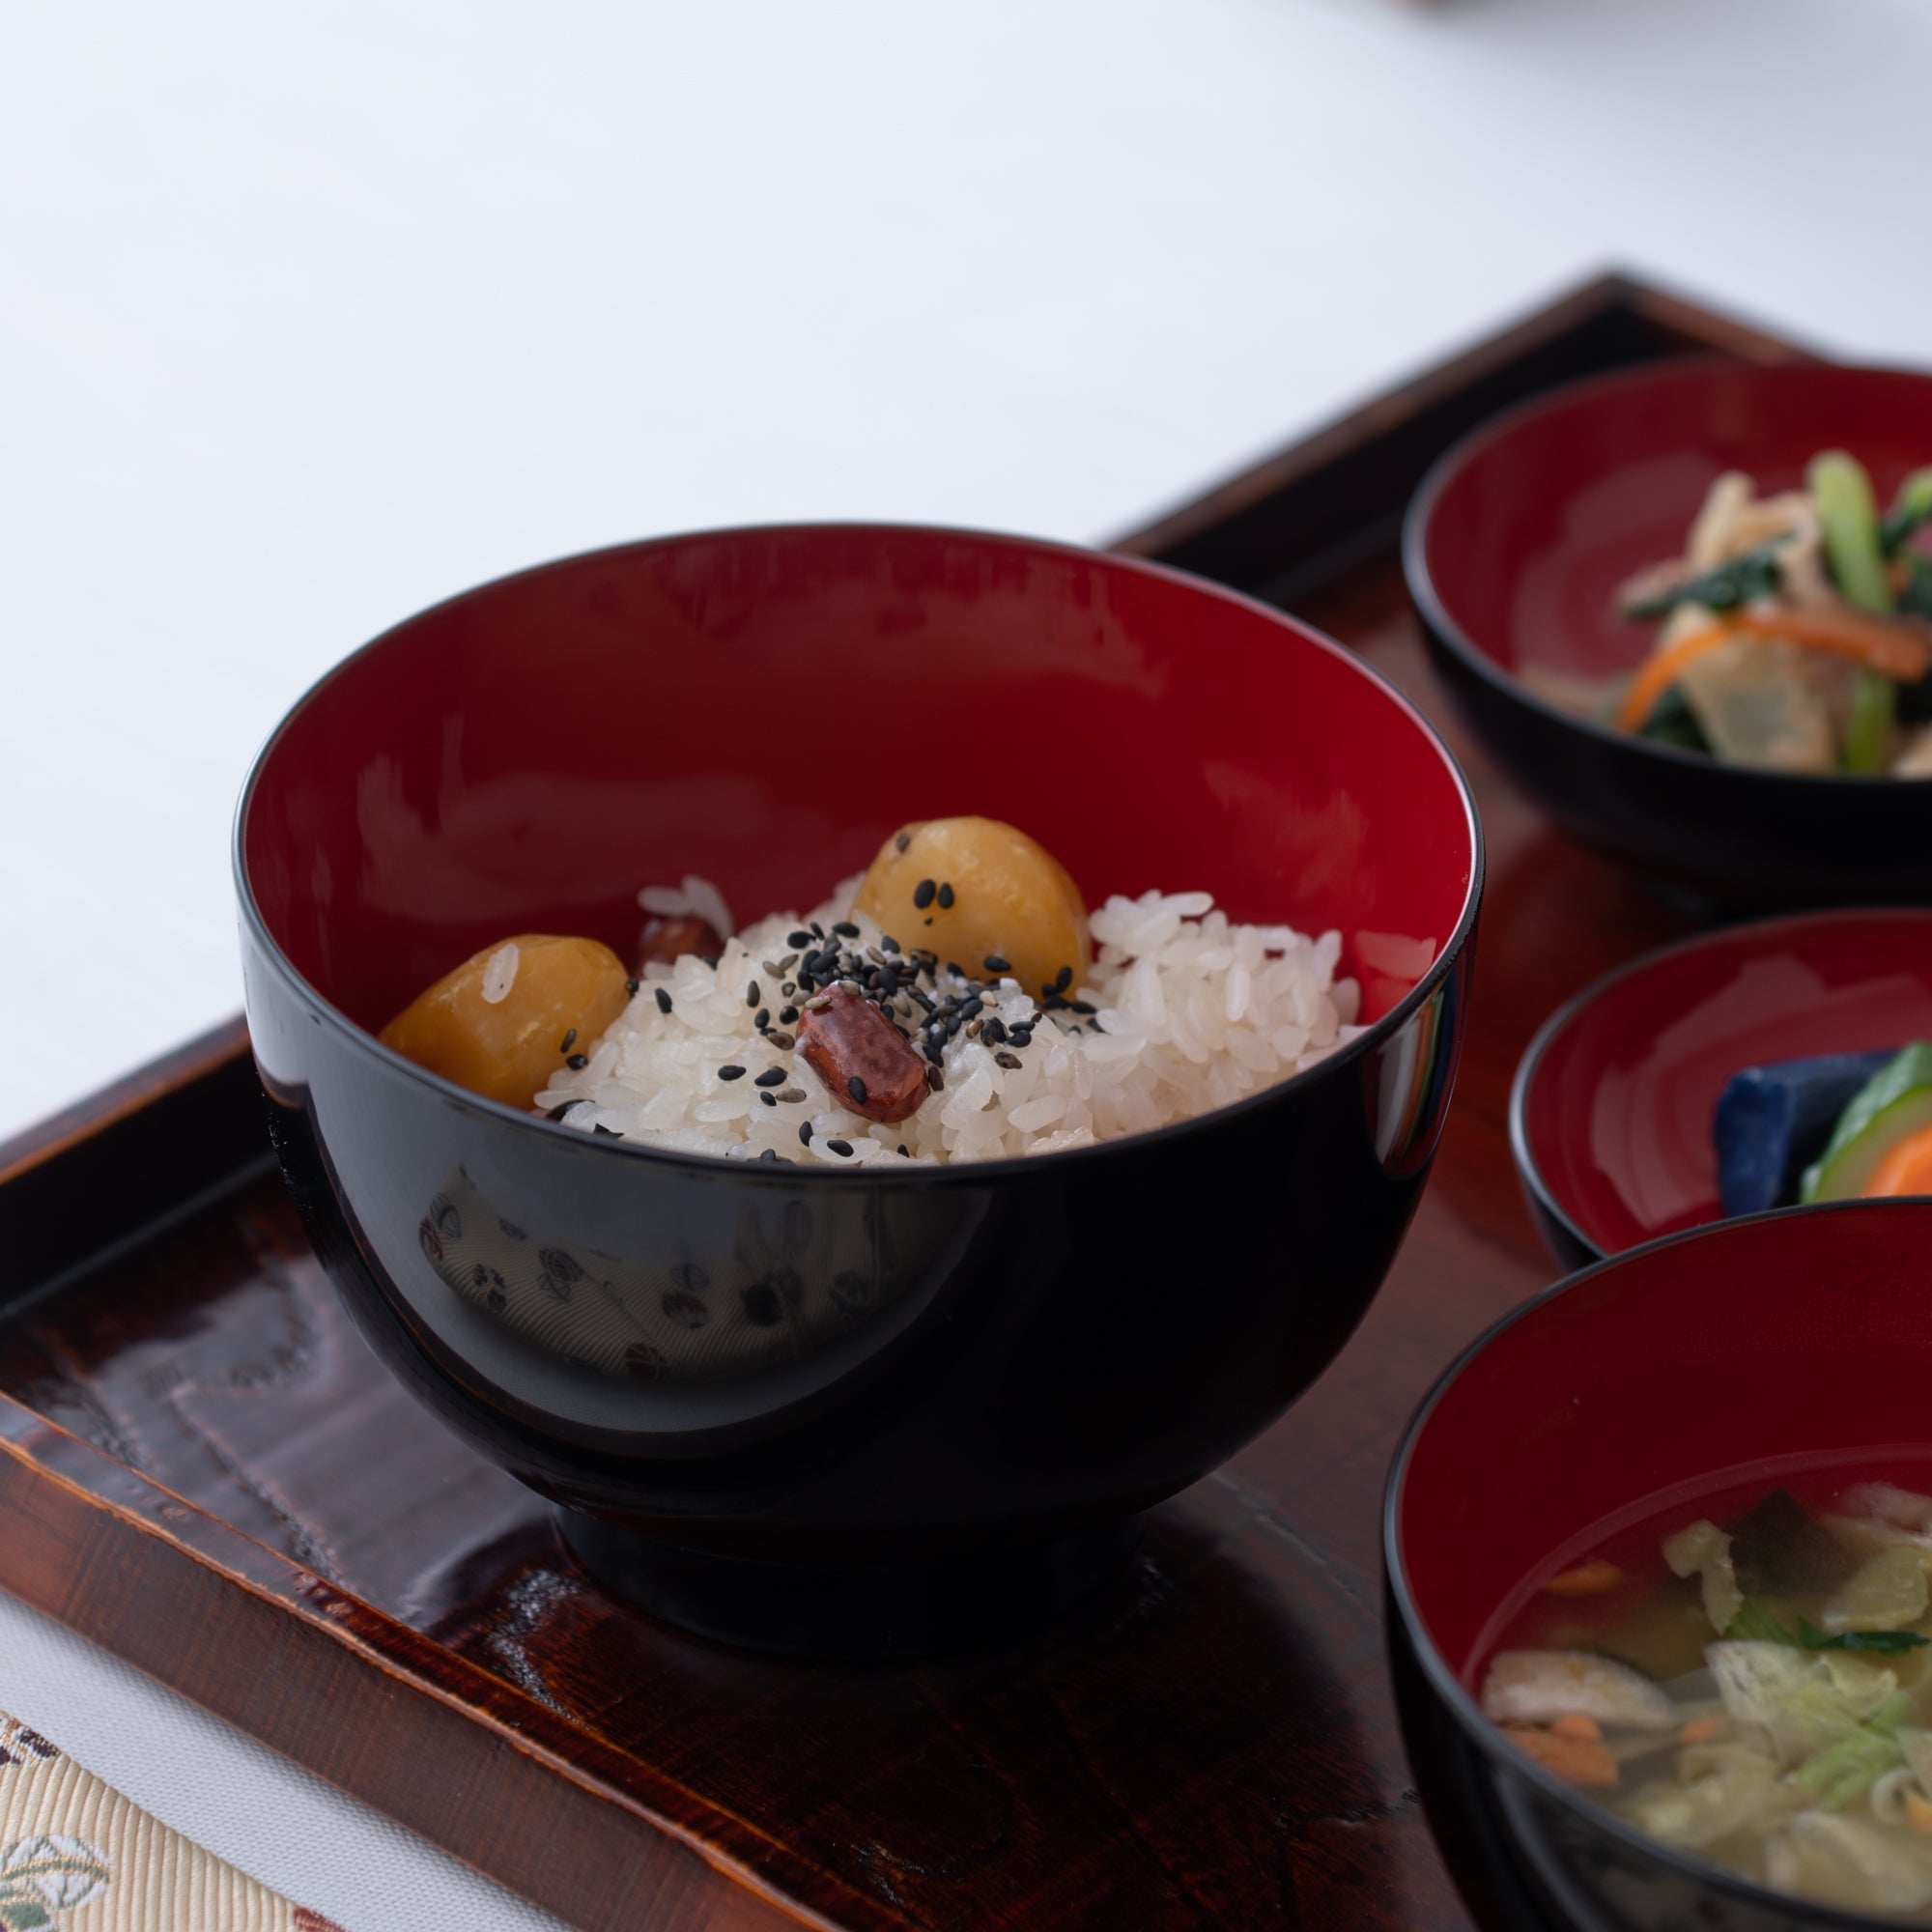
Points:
(311, 316)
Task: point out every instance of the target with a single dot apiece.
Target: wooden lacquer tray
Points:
(206, 1471)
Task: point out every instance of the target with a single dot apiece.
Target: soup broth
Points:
(1745, 1673)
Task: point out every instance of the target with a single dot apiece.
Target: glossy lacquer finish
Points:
(1513, 550)
(1803, 1337)
(1610, 1113)
(938, 1397)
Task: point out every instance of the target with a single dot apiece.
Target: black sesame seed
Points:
(935, 1079)
(993, 963)
(753, 994)
(569, 1040)
(902, 1150)
(788, 1015)
(798, 939)
(958, 971)
(781, 1039)
(730, 1073)
(805, 1132)
(856, 1089)
(887, 942)
(1055, 1002)
(578, 1062)
(789, 987)
(792, 1096)
(946, 897)
(770, 1100)
(901, 843)
(772, 1076)
(710, 959)
(762, 1018)
(1083, 1006)
(922, 895)
(839, 1147)
(846, 929)
(996, 1030)
(1095, 1026)
(611, 1134)
(1062, 979)
(631, 987)
(769, 1153)
(557, 1113)
(817, 931)
(1006, 1059)
(664, 1001)
(1022, 1035)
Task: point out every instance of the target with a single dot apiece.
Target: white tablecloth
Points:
(308, 317)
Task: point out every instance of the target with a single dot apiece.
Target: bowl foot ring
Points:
(873, 1611)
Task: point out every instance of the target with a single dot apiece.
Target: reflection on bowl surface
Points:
(1611, 1114)
(1797, 1340)
(925, 1378)
(1514, 546)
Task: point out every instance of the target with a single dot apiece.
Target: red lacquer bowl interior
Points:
(1611, 1115)
(1536, 520)
(763, 707)
(1766, 1346)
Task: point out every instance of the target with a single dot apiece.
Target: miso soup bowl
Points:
(887, 1410)
(1799, 1338)
(1513, 549)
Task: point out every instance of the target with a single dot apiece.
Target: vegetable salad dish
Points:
(1794, 634)
(1753, 1687)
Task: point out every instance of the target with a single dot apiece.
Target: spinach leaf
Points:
(1744, 578)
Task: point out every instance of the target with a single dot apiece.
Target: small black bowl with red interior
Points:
(926, 1403)
(1613, 1110)
(1765, 1378)
(1516, 547)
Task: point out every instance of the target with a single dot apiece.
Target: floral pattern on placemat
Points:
(77, 1856)
(45, 1876)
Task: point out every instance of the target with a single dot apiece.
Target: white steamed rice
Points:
(1194, 1014)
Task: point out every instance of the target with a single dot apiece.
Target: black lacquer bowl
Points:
(1736, 1353)
(1514, 546)
(873, 1413)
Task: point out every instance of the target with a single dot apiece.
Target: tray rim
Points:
(38, 1458)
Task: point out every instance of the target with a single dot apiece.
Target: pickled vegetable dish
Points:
(955, 1002)
(1837, 1126)
(1747, 1677)
(1794, 634)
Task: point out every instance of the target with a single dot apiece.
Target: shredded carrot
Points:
(1906, 1170)
(1576, 1724)
(1660, 671)
(1587, 1580)
(1918, 1813)
(1887, 647)
(1699, 1731)
(1872, 642)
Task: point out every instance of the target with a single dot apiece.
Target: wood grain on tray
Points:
(206, 1470)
